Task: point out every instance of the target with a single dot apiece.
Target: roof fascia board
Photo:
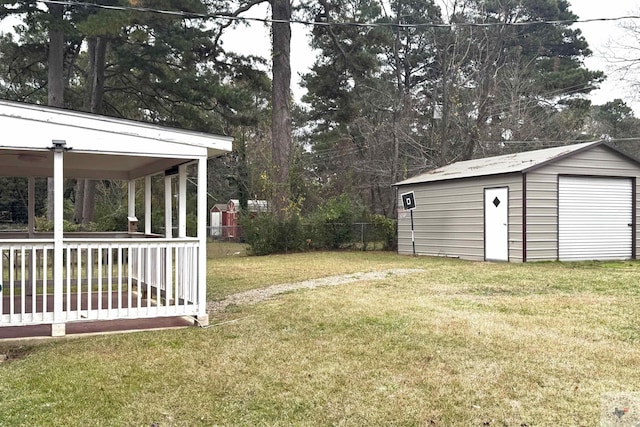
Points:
(38, 135)
(34, 114)
(459, 178)
(587, 146)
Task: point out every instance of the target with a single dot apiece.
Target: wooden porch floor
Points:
(89, 326)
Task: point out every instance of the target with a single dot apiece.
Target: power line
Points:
(227, 16)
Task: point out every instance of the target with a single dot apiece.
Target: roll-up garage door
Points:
(594, 218)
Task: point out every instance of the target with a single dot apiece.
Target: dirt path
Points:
(256, 295)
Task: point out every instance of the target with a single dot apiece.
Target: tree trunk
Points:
(55, 78)
(444, 137)
(243, 170)
(89, 199)
(281, 115)
(97, 75)
(79, 202)
(86, 189)
(55, 84)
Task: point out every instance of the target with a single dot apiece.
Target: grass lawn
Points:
(459, 344)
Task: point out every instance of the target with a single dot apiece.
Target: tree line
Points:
(397, 88)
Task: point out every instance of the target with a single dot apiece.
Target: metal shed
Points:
(568, 203)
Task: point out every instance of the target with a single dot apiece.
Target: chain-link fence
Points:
(365, 236)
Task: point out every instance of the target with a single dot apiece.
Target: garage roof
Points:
(508, 163)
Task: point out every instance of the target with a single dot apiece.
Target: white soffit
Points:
(32, 127)
(24, 163)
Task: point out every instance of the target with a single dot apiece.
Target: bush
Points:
(265, 234)
(42, 224)
(192, 224)
(385, 230)
(331, 224)
(330, 227)
(114, 221)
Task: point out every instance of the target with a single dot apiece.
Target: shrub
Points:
(192, 224)
(331, 226)
(332, 223)
(116, 220)
(42, 224)
(266, 234)
(385, 230)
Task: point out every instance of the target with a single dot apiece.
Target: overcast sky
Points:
(596, 33)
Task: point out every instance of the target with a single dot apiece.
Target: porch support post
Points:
(147, 204)
(31, 206)
(182, 201)
(168, 253)
(31, 209)
(168, 225)
(58, 326)
(131, 206)
(203, 317)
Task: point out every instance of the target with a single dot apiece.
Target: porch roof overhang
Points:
(98, 147)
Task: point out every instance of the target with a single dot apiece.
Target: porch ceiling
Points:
(98, 147)
(83, 165)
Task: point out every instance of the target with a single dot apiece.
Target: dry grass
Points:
(222, 249)
(232, 274)
(462, 344)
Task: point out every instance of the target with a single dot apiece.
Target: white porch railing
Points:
(102, 279)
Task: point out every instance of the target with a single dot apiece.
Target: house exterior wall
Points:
(542, 195)
(449, 217)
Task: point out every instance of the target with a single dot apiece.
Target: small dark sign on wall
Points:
(408, 201)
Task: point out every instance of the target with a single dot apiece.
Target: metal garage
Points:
(575, 202)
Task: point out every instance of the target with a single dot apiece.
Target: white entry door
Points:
(496, 224)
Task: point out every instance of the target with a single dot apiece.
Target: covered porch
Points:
(57, 278)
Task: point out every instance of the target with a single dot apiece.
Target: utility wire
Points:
(225, 16)
(222, 16)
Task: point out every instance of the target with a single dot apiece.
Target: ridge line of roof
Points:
(506, 163)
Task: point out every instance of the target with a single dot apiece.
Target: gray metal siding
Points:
(449, 217)
(542, 195)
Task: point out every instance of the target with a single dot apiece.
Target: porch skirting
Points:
(20, 333)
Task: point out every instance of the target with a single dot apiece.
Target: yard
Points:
(456, 344)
